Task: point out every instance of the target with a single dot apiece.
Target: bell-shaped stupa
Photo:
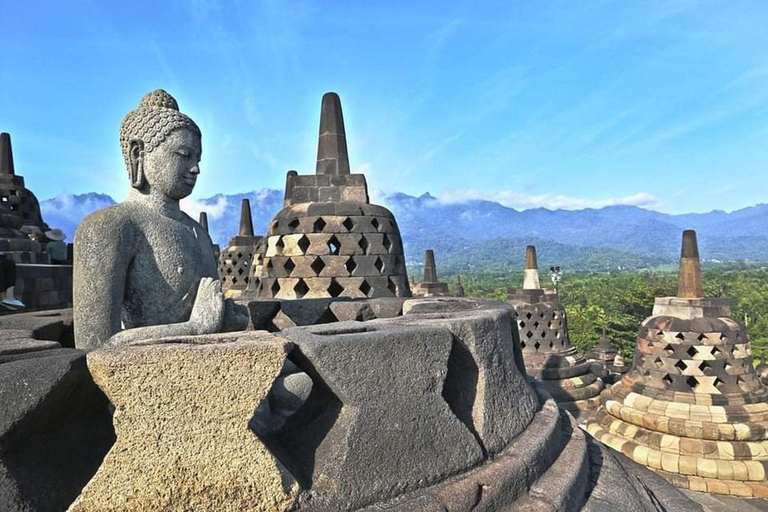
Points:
(328, 240)
(692, 406)
(236, 259)
(547, 351)
(19, 212)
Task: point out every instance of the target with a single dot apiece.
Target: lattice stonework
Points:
(21, 201)
(316, 250)
(548, 353)
(235, 266)
(692, 407)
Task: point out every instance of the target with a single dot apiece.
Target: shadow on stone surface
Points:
(54, 441)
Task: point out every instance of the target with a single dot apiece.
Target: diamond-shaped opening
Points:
(363, 243)
(718, 383)
(269, 264)
(543, 334)
(386, 242)
(715, 351)
(704, 366)
(240, 271)
(319, 225)
(727, 366)
(239, 255)
(537, 345)
(536, 325)
(522, 324)
(333, 245)
(392, 286)
(229, 270)
(680, 336)
(692, 382)
(379, 265)
(275, 288)
(522, 344)
(375, 224)
(529, 334)
(541, 315)
(723, 336)
(301, 288)
(691, 351)
(702, 337)
(667, 380)
(280, 245)
(289, 265)
(234, 280)
(669, 349)
(335, 289)
(551, 345)
(365, 288)
(554, 315)
(318, 265)
(304, 244)
(681, 365)
(557, 334)
(293, 225)
(660, 334)
(348, 223)
(658, 362)
(528, 315)
(350, 265)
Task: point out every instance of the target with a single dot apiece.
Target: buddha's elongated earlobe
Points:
(136, 163)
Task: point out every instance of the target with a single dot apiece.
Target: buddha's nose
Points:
(195, 169)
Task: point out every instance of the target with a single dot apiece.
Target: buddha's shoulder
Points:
(118, 218)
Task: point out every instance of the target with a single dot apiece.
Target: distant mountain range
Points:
(477, 235)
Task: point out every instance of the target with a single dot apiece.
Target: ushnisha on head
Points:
(161, 147)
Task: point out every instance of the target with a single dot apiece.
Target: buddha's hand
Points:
(208, 311)
(236, 316)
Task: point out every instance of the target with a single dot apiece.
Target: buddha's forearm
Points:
(152, 332)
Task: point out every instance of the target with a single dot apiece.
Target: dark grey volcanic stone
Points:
(55, 429)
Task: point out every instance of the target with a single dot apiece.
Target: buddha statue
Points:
(143, 269)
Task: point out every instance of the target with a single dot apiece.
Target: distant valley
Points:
(484, 235)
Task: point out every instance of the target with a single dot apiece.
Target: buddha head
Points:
(161, 147)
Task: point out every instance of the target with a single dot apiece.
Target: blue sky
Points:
(558, 104)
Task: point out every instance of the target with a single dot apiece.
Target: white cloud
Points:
(518, 201)
(215, 210)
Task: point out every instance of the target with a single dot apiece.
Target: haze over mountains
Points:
(477, 234)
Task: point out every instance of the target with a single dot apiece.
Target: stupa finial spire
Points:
(690, 284)
(332, 157)
(6, 154)
(246, 222)
(531, 272)
(430, 271)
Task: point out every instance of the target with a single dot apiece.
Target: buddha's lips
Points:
(190, 180)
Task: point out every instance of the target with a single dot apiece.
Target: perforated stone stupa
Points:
(430, 286)
(692, 406)
(236, 259)
(328, 240)
(19, 212)
(547, 351)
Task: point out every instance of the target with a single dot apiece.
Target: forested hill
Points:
(480, 235)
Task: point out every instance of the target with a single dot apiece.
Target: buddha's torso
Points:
(168, 258)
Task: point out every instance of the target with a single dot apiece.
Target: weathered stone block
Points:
(368, 430)
(181, 417)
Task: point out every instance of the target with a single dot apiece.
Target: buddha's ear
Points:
(136, 162)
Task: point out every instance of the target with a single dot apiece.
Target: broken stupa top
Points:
(328, 240)
(691, 406)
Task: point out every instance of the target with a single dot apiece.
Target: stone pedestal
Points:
(182, 410)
